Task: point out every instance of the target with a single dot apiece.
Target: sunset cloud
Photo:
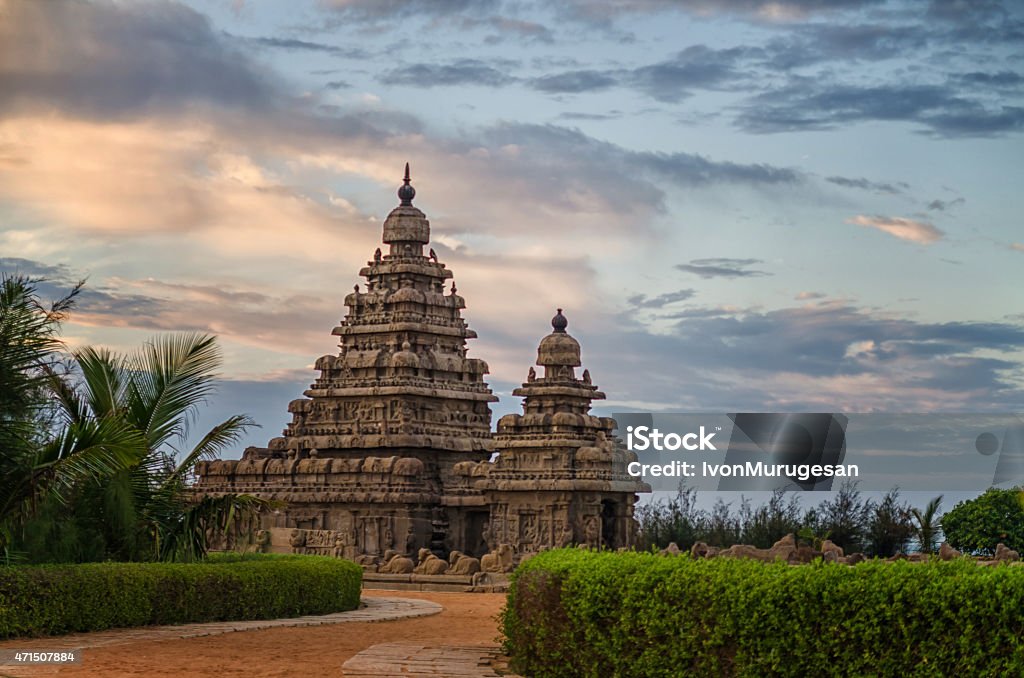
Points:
(920, 232)
(229, 173)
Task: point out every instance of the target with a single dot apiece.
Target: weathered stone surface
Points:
(947, 552)
(1005, 554)
(806, 554)
(783, 548)
(430, 564)
(498, 561)
(827, 547)
(671, 550)
(397, 565)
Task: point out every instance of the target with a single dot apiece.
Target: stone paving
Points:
(413, 659)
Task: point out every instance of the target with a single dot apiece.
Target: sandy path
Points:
(468, 619)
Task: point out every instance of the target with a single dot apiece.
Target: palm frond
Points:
(104, 377)
(216, 441)
(172, 375)
(188, 538)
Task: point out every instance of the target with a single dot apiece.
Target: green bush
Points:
(978, 525)
(55, 599)
(579, 613)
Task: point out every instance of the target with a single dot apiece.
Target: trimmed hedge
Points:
(579, 613)
(54, 599)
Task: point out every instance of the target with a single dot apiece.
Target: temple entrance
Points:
(608, 523)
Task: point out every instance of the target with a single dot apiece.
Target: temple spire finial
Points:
(406, 192)
(559, 322)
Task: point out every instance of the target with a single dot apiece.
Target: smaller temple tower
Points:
(561, 475)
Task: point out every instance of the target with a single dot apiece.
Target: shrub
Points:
(578, 613)
(978, 525)
(54, 599)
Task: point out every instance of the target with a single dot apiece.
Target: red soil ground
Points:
(468, 619)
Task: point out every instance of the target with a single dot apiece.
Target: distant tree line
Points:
(877, 527)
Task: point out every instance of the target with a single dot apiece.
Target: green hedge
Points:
(54, 599)
(578, 613)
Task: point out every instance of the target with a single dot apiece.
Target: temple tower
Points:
(561, 475)
(369, 452)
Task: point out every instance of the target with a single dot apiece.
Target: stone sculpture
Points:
(499, 560)
(462, 564)
(430, 564)
(397, 564)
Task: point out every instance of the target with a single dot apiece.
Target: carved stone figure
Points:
(397, 564)
(430, 564)
(410, 541)
(297, 538)
(564, 537)
(592, 530)
(499, 560)
(465, 565)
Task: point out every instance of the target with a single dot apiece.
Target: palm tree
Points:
(146, 510)
(37, 462)
(927, 524)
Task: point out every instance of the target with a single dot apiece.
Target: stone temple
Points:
(391, 448)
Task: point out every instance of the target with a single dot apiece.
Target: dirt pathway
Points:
(468, 619)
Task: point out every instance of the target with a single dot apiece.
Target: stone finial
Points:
(558, 348)
(406, 192)
(559, 322)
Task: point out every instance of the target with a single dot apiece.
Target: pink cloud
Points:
(905, 229)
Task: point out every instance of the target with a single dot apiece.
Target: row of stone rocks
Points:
(788, 550)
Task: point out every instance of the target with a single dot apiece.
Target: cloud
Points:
(905, 229)
(602, 13)
(70, 57)
(395, 10)
(867, 185)
(721, 267)
(580, 115)
(943, 205)
(508, 28)
(574, 82)
(670, 80)
(1017, 246)
(1000, 79)
(459, 72)
(35, 269)
(660, 301)
(307, 46)
(807, 104)
(824, 355)
(696, 67)
(809, 296)
(821, 42)
(247, 317)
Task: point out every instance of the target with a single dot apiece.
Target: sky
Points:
(741, 205)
